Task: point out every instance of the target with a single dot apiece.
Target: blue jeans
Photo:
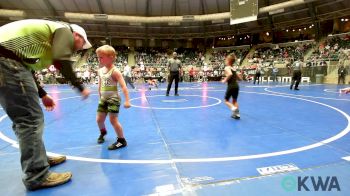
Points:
(19, 99)
(274, 77)
(129, 81)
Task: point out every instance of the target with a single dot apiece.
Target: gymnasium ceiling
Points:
(304, 14)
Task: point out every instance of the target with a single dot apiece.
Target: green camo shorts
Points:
(110, 105)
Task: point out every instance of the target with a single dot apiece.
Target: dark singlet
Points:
(232, 82)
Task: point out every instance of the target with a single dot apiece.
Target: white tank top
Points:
(109, 87)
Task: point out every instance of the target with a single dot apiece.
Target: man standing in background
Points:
(274, 73)
(191, 74)
(127, 75)
(174, 67)
(297, 65)
(257, 73)
(342, 74)
(87, 76)
(142, 69)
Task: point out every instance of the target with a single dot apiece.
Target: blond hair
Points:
(106, 50)
(231, 58)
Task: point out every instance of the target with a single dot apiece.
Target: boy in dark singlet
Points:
(231, 78)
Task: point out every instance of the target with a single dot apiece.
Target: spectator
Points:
(127, 75)
(274, 73)
(191, 73)
(87, 76)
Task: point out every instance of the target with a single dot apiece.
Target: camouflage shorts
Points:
(110, 105)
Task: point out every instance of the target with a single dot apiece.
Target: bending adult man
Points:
(26, 46)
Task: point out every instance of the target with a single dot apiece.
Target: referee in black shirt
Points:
(174, 66)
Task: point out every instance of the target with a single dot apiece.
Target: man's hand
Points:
(85, 93)
(48, 102)
(127, 104)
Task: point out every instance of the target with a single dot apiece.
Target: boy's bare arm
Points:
(118, 77)
(99, 86)
(239, 77)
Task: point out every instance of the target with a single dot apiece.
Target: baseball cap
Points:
(78, 29)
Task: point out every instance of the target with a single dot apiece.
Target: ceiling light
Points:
(15, 18)
(101, 16)
(174, 24)
(12, 13)
(135, 24)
